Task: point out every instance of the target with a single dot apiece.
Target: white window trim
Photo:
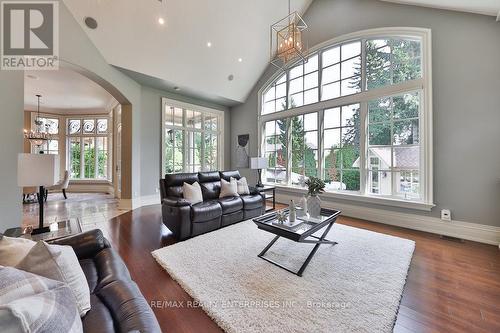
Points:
(192, 107)
(95, 135)
(424, 84)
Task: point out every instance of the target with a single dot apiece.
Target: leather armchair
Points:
(186, 220)
(117, 304)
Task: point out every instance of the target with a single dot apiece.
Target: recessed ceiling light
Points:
(209, 44)
(240, 60)
(90, 22)
(161, 20)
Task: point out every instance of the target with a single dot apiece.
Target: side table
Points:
(58, 230)
(269, 193)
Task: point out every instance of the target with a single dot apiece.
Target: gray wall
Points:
(11, 143)
(151, 135)
(466, 88)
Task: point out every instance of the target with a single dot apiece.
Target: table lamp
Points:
(258, 163)
(38, 170)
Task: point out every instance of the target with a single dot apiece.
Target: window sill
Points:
(400, 203)
(89, 181)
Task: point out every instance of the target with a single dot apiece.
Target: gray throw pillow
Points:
(228, 188)
(59, 263)
(13, 250)
(192, 193)
(32, 303)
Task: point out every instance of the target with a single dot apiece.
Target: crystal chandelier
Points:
(37, 137)
(286, 39)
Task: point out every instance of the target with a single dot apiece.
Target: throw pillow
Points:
(228, 188)
(242, 185)
(59, 262)
(13, 250)
(32, 303)
(192, 193)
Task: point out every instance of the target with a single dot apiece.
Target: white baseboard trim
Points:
(147, 200)
(459, 229)
(91, 188)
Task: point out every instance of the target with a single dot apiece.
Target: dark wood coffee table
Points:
(301, 231)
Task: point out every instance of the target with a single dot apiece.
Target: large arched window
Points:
(357, 114)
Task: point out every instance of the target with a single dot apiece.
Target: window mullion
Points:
(82, 159)
(185, 136)
(320, 74)
(363, 65)
(321, 135)
(288, 123)
(363, 148)
(202, 151)
(287, 89)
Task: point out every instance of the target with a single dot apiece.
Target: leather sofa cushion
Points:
(230, 204)
(205, 177)
(98, 319)
(226, 175)
(110, 267)
(210, 190)
(128, 307)
(251, 201)
(205, 211)
(90, 271)
(173, 183)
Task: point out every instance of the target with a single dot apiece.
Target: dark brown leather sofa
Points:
(186, 220)
(117, 304)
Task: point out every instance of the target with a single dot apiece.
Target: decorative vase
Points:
(303, 205)
(292, 211)
(314, 206)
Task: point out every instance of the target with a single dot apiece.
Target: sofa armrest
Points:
(253, 190)
(86, 244)
(175, 202)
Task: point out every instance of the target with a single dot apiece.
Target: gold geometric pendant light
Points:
(287, 43)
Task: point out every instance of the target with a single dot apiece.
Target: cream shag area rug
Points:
(355, 286)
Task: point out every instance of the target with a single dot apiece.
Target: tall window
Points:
(47, 125)
(191, 138)
(356, 114)
(276, 151)
(342, 148)
(88, 148)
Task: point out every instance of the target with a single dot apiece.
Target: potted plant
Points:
(315, 186)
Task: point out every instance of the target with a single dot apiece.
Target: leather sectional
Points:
(117, 304)
(186, 220)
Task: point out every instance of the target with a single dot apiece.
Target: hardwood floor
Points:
(452, 286)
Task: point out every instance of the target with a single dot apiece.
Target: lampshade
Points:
(258, 163)
(37, 169)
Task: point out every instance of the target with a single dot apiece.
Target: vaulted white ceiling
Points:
(176, 54)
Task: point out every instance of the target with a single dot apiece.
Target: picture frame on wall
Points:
(242, 151)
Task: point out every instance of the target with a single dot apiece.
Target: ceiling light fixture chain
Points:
(37, 137)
